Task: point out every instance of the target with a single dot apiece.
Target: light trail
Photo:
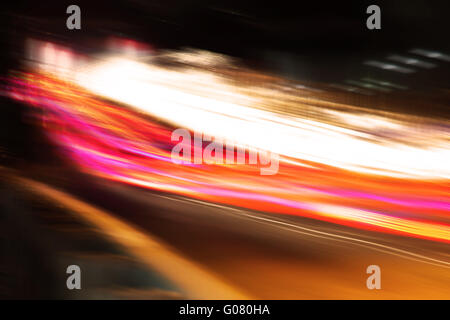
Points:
(381, 173)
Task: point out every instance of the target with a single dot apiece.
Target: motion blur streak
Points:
(364, 169)
(200, 284)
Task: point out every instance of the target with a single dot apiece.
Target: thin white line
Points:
(326, 235)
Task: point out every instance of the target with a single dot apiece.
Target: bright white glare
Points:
(204, 102)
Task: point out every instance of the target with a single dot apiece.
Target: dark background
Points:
(328, 34)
